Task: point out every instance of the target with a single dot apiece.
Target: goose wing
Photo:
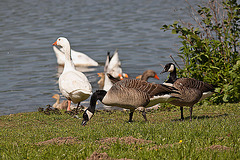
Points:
(126, 97)
(74, 81)
(193, 83)
(80, 58)
(187, 97)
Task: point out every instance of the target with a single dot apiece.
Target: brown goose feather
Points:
(134, 93)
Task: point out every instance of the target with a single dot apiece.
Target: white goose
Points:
(73, 84)
(78, 58)
(113, 66)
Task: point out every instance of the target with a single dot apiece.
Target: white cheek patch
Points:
(171, 69)
(90, 114)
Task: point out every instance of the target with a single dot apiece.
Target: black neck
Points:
(98, 95)
(173, 76)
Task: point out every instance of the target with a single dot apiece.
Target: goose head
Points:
(147, 74)
(89, 112)
(63, 44)
(170, 67)
(65, 47)
(56, 96)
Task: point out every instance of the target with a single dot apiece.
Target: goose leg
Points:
(190, 110)
(130, 116)
(77, 108)
(144, 115)
(182, 118)
(69, 104)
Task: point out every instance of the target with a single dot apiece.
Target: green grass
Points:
(163, 136)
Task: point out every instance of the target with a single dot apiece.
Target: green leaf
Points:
(225, 98)
(174, 31)
(175, 22)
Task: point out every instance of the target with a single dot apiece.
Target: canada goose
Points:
(128, 94)
(110, 80)
(191, 90)
(73, 84)
(145, 76)
(78, 58)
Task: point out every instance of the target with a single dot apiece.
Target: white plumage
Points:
(78, 58)
(73, 84)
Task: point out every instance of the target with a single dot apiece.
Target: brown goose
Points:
(148, 74)
(145, 76)
(129, 94)
(191, 90)
(62, 106)
(101, 80)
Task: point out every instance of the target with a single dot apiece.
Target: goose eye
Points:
(59, 39)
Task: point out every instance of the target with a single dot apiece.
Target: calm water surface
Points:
(28, 67)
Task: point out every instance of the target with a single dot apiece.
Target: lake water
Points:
(28, 67)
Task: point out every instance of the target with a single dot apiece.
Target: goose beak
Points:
(156, 77)
(98, 74)
(84, 122)
(139, 77)
(55, 43)
(163, 71)
(120, 76)
(125, 75)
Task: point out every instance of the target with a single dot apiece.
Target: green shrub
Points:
(210, 49)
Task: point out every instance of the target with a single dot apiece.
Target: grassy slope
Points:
(212, 128)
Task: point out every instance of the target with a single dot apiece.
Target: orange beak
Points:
(55, 43)
(100, 74)
(139, 77)
(156, 77)
(121, 77)
(125, 75)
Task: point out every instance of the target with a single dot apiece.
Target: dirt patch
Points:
(156, 147)
(127, 140)
(218, 147)
(60, 141)
(103, 156)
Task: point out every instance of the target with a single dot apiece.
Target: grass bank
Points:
(213, 134)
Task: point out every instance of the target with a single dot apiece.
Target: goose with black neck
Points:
(130, 94)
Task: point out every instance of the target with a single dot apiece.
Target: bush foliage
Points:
(210, 49)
